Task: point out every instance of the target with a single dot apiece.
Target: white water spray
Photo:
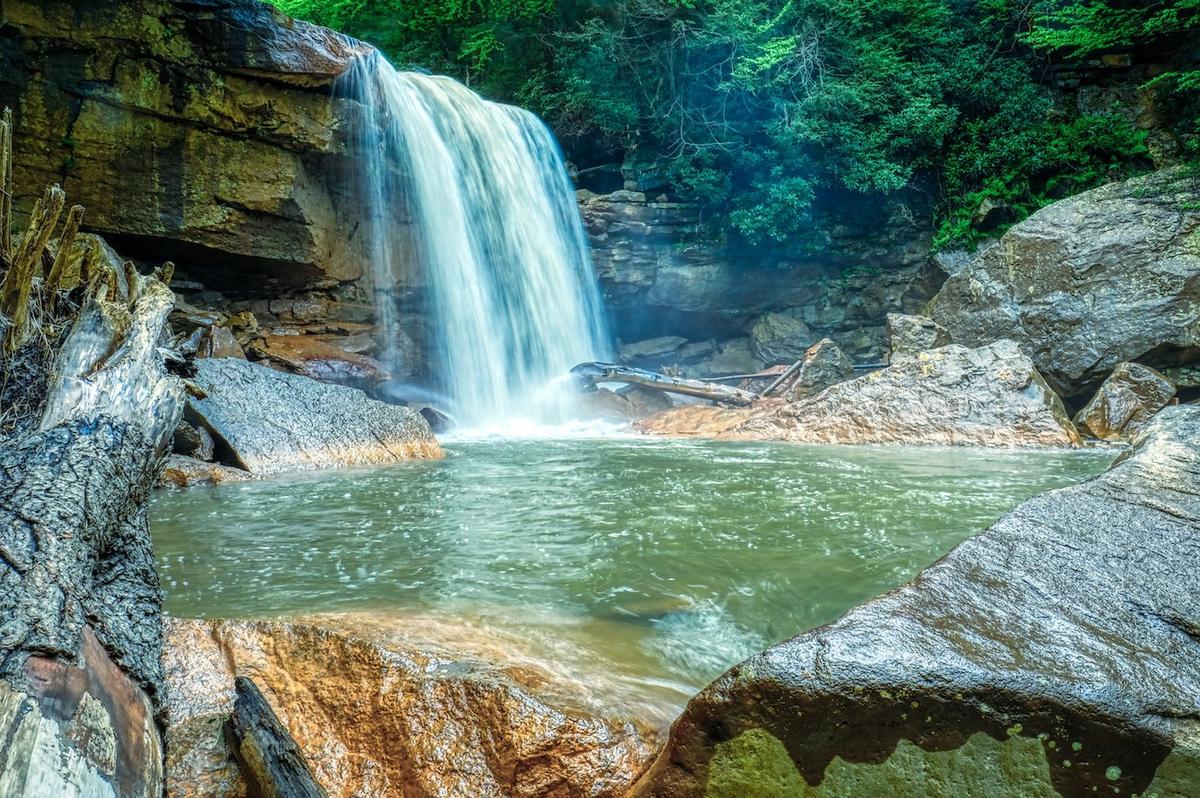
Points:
(495, 226)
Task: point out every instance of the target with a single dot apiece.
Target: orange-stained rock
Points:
(82, 729)
(705, 421)
(182, 471)
(319, 359)
(990, 396)
(377, 714)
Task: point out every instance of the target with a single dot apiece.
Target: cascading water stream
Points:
(494, 226)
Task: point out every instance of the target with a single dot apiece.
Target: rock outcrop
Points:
(776, 338)
(989, 396)
(1055, 654)
(382, 716)
(199, 132)
(660, 276)
(908, 336)
(266, 421)
(1106, 276)
(824, 365)
(1125, 403)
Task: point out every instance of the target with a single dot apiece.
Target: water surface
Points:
(643, 567)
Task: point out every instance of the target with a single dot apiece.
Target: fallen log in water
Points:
(84, 428)
(268, 756)
(592, 373)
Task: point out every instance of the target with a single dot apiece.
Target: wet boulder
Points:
(1106, 276)
(376, 713)
(735, 356)
(266, 421)
(1054, 654)
(910, 335)
(990, 396)
(776, 338)
(1125, 403)
(651, 349)
(824, 365)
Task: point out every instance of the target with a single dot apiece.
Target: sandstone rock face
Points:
(825, 365)
(908, 336)
(388, 718)
(201, 132)
(660, 277)
(1126, 401)
(269, 421)
(1054, 654)
(776, 338)
(990, 396)
(1106, 276)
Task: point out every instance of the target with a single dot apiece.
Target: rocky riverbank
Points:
(1053, 654)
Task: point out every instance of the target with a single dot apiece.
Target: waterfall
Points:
(496, 231)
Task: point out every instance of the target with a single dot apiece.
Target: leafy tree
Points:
(764, 110)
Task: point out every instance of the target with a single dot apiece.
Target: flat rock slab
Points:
(1055, 654)
(269, 422)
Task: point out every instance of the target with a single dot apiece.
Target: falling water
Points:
(495, 227)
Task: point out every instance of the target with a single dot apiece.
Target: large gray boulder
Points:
(824, 365)
(990, 396)
(1126, 402)
(266, 421)
(1109, 275)
(1054, 655)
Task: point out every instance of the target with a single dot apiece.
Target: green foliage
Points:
(763, 110)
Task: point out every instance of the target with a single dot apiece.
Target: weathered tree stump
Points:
(87, 409)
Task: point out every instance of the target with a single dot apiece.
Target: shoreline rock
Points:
(1053, 654)
(379, 715)
(267, 421)
(990, 396)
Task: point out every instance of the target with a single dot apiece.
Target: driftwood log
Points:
(87, 409)
(592, 373)
(270, 760)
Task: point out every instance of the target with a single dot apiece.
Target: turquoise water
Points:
(656, 564)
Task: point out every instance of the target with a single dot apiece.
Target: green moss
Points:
(756, 765)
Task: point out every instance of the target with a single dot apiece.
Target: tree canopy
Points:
(759, 108)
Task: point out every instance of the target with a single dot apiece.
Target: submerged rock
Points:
(1106, 276)
(824, 365)
(990, 396)
(1055, 654)
(377, 714)
(182, 471)
(908, 336)
(1126, 401)
(268, 421)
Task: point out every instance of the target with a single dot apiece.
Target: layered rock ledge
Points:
(1055, 654)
